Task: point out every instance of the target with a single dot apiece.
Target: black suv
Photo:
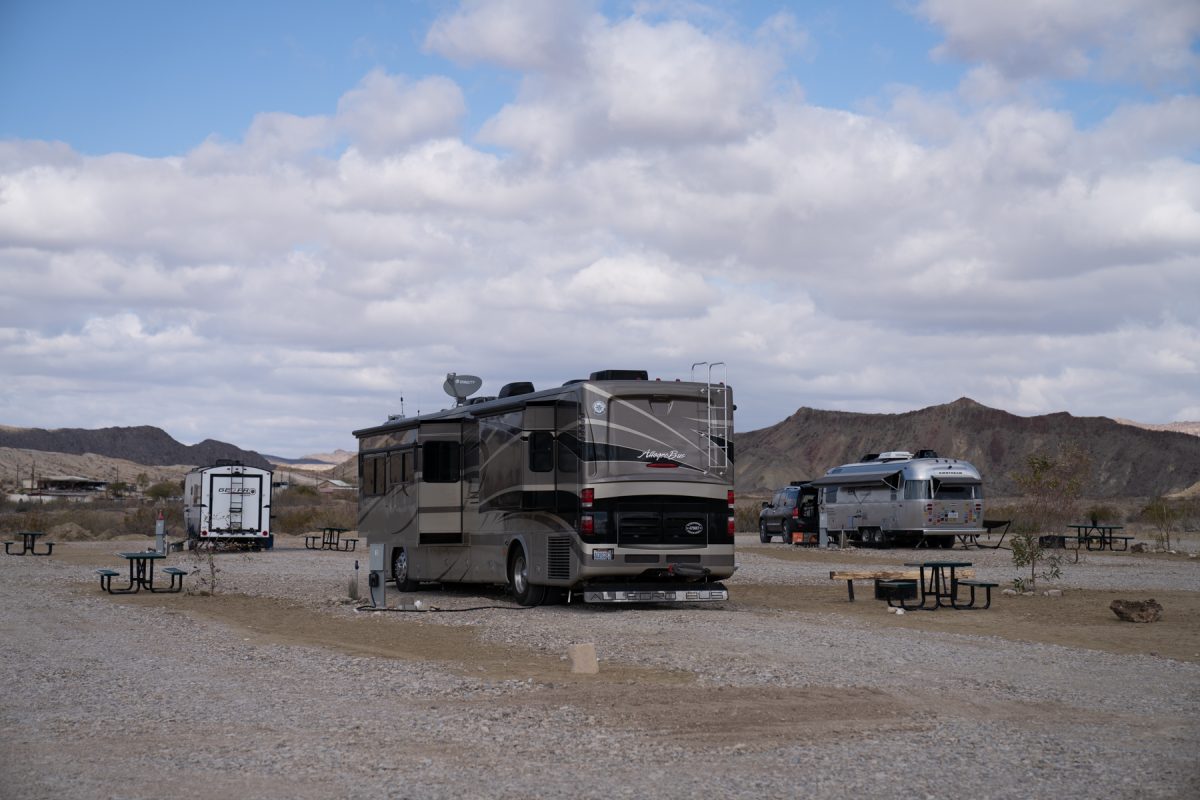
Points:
(792, 510)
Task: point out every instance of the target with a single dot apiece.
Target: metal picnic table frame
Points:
(28, 543)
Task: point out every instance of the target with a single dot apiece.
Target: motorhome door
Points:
(440, 491)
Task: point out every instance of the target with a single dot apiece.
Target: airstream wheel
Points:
(400, 571)
(524, 592)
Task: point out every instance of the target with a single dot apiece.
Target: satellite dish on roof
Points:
(460, 387)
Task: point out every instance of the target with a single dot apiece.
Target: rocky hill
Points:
(1127, 461)
(143, 444)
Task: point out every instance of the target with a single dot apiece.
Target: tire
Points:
(525, 593)
(763, 536)
(785, 529)
(400, 571)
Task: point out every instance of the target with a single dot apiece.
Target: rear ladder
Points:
(716, 431)
(237, 482)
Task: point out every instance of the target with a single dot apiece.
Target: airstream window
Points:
(959, 491)
(916, 490)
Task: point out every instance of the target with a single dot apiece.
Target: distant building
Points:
(47, 488)
(331, 485)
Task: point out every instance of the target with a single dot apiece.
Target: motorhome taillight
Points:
(730, 496)
(587, 525)
(731, 527)
(587, 497)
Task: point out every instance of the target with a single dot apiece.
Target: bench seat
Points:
(176, 578)
(987, 586)
(106, 576)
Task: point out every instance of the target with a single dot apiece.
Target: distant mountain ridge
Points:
(143, 444)
(1192, 428)
(1127, 461)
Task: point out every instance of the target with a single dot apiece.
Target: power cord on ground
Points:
(435, 609)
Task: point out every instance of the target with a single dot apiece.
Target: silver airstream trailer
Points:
(902, 498)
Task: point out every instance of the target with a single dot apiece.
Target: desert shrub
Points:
(163, 490)
(144, 519)
(295, 496)
(294, 520)
(1104, 514)
(746, 514)
(339, 515)
(1166, 516)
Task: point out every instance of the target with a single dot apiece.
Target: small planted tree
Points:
(1163, 515)
(1051, 487)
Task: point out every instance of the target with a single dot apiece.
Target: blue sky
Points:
(156, 78)
(859, 206)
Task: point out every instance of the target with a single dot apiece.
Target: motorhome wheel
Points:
(400, 571)
(526, 593)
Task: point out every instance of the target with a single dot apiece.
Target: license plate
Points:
(602, 555)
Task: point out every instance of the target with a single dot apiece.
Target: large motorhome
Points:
(228, 503)
(611, 489)
(902, 498)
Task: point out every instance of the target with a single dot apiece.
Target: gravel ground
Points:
(278, 687)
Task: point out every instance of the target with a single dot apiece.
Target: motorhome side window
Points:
(440, 462)
(830, 494)
(541, 451)
(400, 467)
(373, 475)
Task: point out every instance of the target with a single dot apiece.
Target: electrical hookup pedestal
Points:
(160, 534)
(376, 578)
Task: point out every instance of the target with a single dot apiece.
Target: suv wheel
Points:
(763, 536)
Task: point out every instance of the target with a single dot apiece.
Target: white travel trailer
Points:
(904, 499)
(611, 489)
(228, 503)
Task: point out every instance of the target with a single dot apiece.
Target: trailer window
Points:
(916, 490)
(541, 451)
(959, 491)
(440, 462)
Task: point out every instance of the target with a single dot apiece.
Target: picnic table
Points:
(28, 542)
(1103, 536)
(940, 585)
(141, 574)
(330, 539)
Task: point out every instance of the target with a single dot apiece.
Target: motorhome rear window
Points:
(440, 462)
(541, 451)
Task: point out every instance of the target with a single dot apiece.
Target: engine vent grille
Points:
(558, 558)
